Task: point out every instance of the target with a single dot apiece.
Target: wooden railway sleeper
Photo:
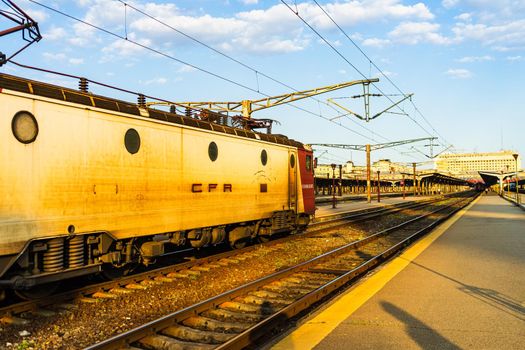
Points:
(211, 324)
(226, 315)
(167, 343)
(195, 335)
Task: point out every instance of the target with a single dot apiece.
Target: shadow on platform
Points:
(490, 297)
(420, 332)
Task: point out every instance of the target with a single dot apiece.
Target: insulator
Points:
(76, 251)
(188, 112)
(173, 109)
(54, 256)
(83, 85)
(3, 59)
(141, 100)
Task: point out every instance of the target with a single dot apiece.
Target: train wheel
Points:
(263, 238)
(38, 292)
(239, 244)
(239, 237)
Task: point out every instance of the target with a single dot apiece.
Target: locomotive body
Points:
(88, 182)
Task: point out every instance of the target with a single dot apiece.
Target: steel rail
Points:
(329, 223)
(245, 338)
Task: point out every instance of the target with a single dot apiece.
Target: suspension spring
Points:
(54, 256)
(76, 251)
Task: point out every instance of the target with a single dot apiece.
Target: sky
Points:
(464, 61)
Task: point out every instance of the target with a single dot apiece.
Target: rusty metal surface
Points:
(248, 336)
(330, 222)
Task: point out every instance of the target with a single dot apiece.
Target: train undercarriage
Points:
(45, 262)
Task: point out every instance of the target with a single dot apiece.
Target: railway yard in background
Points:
(149, 223)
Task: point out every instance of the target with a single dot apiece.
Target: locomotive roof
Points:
(88, 99)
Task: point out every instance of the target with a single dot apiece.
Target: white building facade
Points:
(469, 163)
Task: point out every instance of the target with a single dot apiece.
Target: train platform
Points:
(348, 206)
(460, 287)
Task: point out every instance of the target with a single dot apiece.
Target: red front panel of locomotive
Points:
(307, 179)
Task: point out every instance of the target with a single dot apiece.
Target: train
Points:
(92, 184)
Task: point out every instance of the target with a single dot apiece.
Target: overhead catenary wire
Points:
(344, 58)
(156, 51)
(379, 70)
(256, 71)
(233, 59)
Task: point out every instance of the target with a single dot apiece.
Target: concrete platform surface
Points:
(460, 287)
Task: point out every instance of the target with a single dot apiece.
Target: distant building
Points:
(471, 163)
(386, 166)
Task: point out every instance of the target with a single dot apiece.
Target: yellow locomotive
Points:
(89, 182)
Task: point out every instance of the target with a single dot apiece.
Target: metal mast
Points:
(368, 148)
(25, 23)
(247, 107)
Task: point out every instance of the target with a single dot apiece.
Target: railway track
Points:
(24, 313)
(239, 317)
(15, 313)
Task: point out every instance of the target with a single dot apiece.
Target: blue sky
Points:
(464, 60)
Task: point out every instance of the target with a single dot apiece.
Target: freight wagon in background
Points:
(89, 183)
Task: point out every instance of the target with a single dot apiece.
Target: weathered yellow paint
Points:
(78, 172)
(308, 335)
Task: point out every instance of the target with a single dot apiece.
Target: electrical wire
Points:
(156, 51)
(256, 71)
(379, 70)
(233, 59)
(345, 59)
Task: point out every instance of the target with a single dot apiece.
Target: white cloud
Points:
(335, 43)
(54, 33)
(387, 74)
(186, 69)
(459, 73)
(413, 33)
(496, 10)
(354, 12)
(37, 15)
(54, 56)
(501, 37)
(105, 14)
(376, 42)
(271, 30)
(464, 17)
(62, 57)
(470, 59)
(156, 81)
(76, 61)
(124, 48)
(515, 58)
(449, 3)
(342, 71)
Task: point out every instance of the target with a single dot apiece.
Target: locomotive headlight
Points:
(25, 127)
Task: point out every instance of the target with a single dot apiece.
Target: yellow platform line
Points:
(313, 331)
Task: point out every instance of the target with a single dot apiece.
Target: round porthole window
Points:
(264, 157)
(25, 127)
(292, 161)
(213, 151)
(132, 141)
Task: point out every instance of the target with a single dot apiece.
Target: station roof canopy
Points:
(491, 178)
(443, 179)
(432, 177)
